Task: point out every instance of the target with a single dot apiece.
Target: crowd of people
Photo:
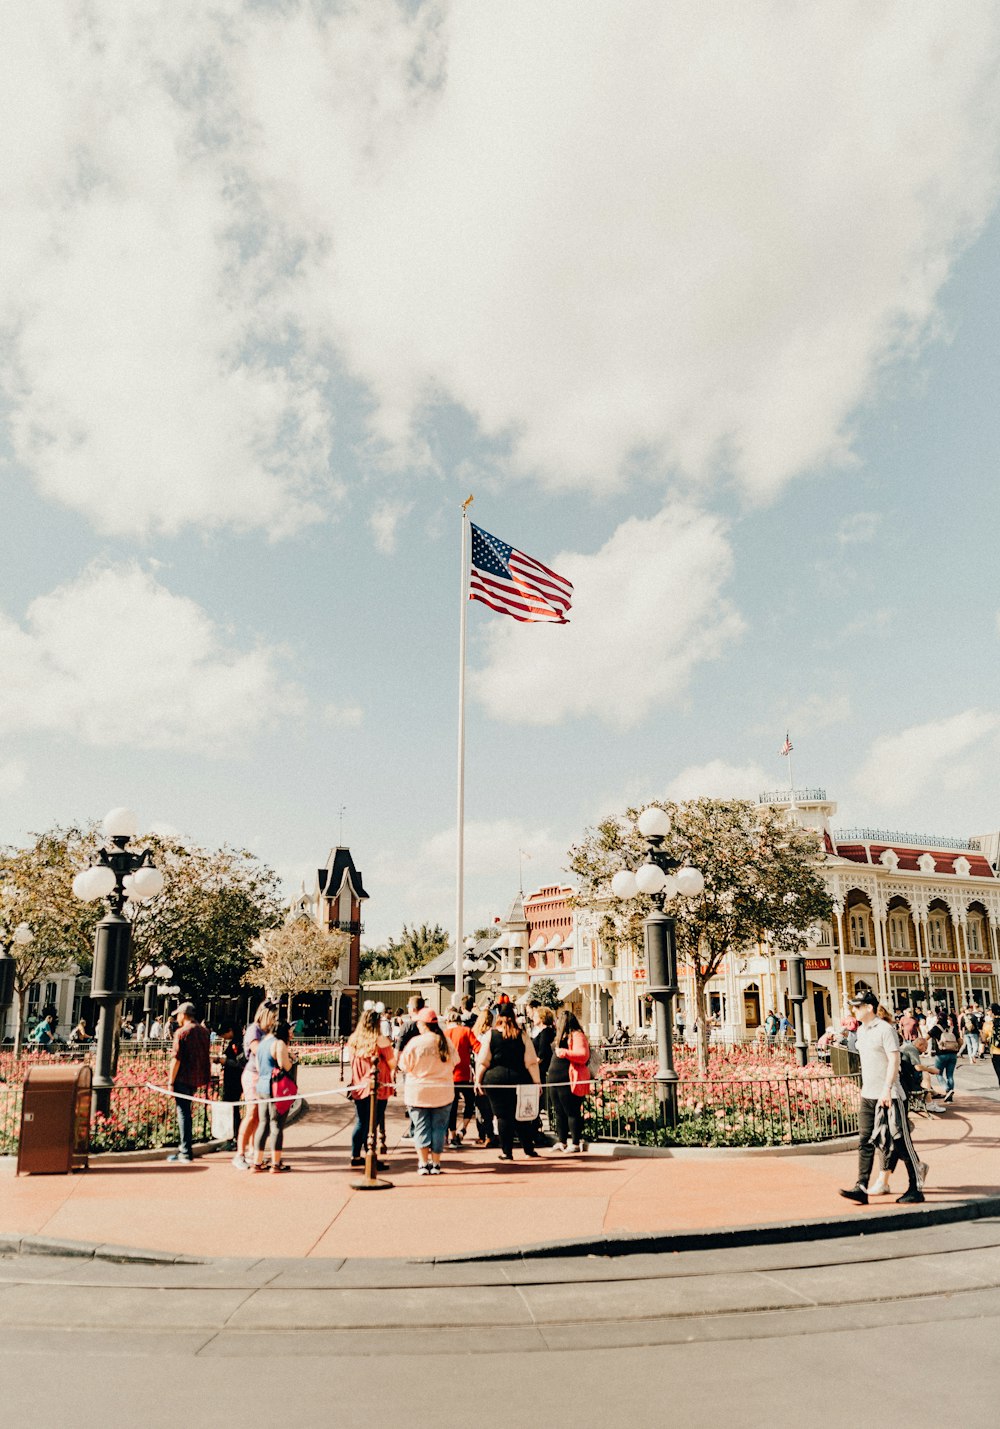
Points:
(488, 1076)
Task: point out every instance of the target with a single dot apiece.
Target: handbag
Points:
(222, 1121)
(283, 1090)
(529, 1102)
(948, 1042)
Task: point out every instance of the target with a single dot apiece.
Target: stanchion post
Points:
(370, 1181)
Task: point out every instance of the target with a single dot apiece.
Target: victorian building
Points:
(916, 918)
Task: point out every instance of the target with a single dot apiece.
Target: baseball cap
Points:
(864, 999)
(425, 1015)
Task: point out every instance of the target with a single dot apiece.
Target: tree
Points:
(546, 991)
(35, 888)
(214, 903)
(297, 957)
(762, 882)
(397, 958)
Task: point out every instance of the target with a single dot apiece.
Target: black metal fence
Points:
(776, 1111)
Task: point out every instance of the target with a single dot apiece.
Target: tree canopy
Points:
(398, 957)
(762, 881)
(214, 903)
(297, 957)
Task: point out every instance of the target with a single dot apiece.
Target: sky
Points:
(700, 303)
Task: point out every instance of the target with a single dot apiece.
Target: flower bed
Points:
(747, 1111)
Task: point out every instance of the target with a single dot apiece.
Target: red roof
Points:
(979, 866)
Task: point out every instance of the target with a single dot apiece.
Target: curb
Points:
(731, 1237)
(625, 1243)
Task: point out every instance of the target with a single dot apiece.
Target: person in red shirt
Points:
(464, 1042)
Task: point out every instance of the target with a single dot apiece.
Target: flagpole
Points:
(460, 811)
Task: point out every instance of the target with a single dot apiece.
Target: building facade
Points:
(916, 918)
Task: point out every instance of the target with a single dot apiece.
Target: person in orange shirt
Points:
(461, 1038)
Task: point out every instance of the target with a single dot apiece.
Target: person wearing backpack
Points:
(970, 1033)
(991, 1037)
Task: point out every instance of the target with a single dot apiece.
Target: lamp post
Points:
(797, 996)
(119, 876)
(151, 976)
(660, 877)
(21, 936)
(469, 966)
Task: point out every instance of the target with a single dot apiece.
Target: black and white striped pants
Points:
(902, 1146)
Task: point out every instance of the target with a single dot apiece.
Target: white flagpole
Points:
(460, 812)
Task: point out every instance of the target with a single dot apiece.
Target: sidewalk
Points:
(210, 1209)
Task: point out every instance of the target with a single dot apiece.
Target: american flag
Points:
(786, 748)
(514, 584)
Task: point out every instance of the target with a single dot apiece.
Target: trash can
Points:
(55, 1120)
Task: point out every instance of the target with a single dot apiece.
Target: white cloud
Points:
(859, 528)
(927, 763)
(418, 885)
(113, 658)
(384, 522)
(346, 716)
(13, 776)
(719, 780)
(646, 609)
(674, 237)
(817, 712)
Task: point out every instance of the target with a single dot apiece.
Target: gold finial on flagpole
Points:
(467, 502)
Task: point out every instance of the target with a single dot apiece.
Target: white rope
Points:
(335, 1092)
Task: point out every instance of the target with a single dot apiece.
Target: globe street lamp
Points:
(660, 876)
(469, 965)
(21, 936)
(151, 976)
(119, 876)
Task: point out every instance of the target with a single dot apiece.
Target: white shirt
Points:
(876, 1041)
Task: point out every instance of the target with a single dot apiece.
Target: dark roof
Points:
(979, 867)
(331, 877)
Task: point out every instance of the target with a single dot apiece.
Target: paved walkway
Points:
(210, 1209)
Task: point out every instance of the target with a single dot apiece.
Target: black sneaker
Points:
(910, 1198)
(858, 1194)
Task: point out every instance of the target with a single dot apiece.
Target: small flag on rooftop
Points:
(787, 747)
(512, 583)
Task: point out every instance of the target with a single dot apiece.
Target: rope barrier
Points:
(336, 1092)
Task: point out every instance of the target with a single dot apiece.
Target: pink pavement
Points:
(211, 1209)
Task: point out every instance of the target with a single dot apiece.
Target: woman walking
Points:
(507, 1060)
(427, 1062)
(273, 1055)
(264, 1020)
(368, 1045)
(945, 1041)
(568, 1081)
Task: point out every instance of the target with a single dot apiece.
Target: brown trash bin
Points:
(55, 1119)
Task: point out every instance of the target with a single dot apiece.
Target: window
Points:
(899, 933)
(938, 939)
(972, 937)
(859, 930)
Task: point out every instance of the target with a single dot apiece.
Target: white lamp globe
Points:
(690, 882)
(120, 823)
(670, 888)
(23, 935)
(93, 883)
(650, 878)
(146, 971)
(380, 1007)
(147, 882)
(653, 822)
(623, 885)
